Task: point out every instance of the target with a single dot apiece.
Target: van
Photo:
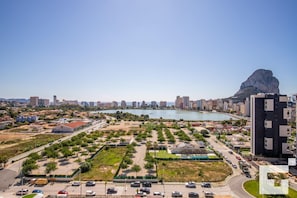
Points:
(41, 181)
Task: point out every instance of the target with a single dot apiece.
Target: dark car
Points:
(146, 190)
(146, 184)
(248, 175)
(135, 184)
(90, 183)
(193, 195)
(111, 191)
(205, 185)
(176, 194)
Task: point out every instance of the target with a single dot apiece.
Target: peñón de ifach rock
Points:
(261, 81)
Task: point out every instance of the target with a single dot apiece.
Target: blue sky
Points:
(144, 50)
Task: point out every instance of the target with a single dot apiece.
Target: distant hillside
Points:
(261, 81)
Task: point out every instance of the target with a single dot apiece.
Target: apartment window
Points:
(287, 113)
(283, 99)
(268, 124)
(268, 143)
(284, 131)
(269, 105)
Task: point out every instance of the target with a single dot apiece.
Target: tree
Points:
(51, 166)
(35, 156)
(29, 165)
(124, 165)
(149, 165)
(3, 159)
(136, 168)
(66, 152)
(85, 167)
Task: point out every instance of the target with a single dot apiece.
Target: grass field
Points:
(26, 145)
(189, 170)
(252, 187)
(105, 164)
(163, 154)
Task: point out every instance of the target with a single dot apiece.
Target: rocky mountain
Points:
(261, 81)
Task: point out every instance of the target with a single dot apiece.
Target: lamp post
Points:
(80, 182)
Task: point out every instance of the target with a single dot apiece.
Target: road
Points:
(236, 180)
(8, 174)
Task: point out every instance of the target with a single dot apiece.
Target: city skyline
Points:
(144, 50)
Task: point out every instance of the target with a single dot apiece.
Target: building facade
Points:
(34, 101)
(269, 125)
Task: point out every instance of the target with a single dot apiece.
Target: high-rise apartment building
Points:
(154, 104)
(92, 104)
(186, 102)
(163, 104)
(178, 102)
(54, 100)
(43, 102)
(270, 129)
(34, 101)
(123, 104)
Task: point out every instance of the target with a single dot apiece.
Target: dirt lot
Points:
(10, 139)
(123, 125)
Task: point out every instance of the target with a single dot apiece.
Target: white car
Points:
(90, 193)
(75, 183)
(190, 184)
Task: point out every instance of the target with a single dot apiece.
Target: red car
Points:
(64, 192)
(237, 157)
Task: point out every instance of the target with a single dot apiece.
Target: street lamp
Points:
(80, 181)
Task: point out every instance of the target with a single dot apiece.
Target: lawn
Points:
(29, 196)
(252, 187)
(105, 164)
(163, 154)
(191, 170)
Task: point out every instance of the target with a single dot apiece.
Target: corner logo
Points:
(274, 179)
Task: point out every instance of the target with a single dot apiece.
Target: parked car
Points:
(229, 161)
(37, 191)
(135, 184)
(146, 190)
(90, 183)
(234, 166)
(231, 152)
(140, 194)
(158, 194)
(248, 175)
(146, 184)
(63, 192)
(190, 184)
(176, 194)
(208, 194)
(75, 183)
(22, 192)
(193, 195)
(205, 185)
(237, 157)
(111, 191)
(90, 193)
